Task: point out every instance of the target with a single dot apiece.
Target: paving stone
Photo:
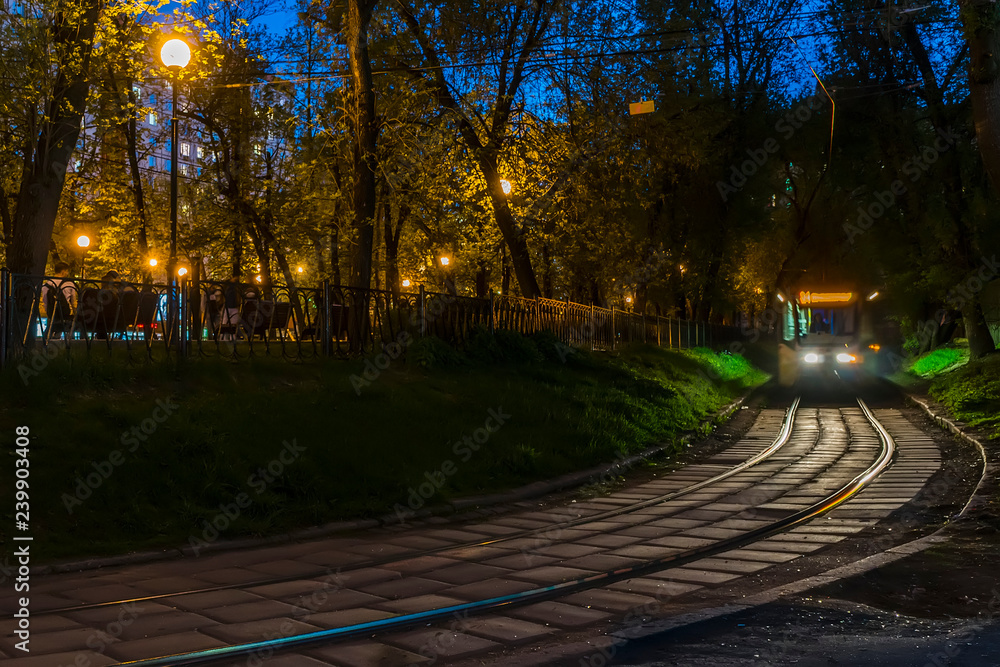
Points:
(645, 552)
(253, 631)
(490, 588)
(422, 564)
(332, 558)
(368, 654)
(461, 536)
(694, 576)
(40, 624)
(420, 603)
(479, 554)
(154, 625)
(344, 598)
(285, 568)
(160, 585)
(567, 550)
(366, 576)
(52, 659)
(522, 561)
(680, 542)
(466, 573)
(730, 565)
(601, 562)
(608, 600)
(560, 614)
(644, 532)
(441, 644)
(287, 589)
(210, 600)
(762, 556)
(379, 550)
(421, 542)
(551, 574)
(404, 588)
(155, 647)
(109, 593)
(230, 575)
(505, 630)
(252, 611)
(657, 588)
(610, 541)
(57, 641)
(346, 617)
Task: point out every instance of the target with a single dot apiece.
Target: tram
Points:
(825, 332)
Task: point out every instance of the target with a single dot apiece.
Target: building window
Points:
(166, 165)
(182, 169)
(152, 161)
(152, 98)
(170, 144)
(199, 171)
(185, 149)
(152, 118)
(137, 92)
(201, 152)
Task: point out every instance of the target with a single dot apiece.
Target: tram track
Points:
(776, 444)
(837, 445)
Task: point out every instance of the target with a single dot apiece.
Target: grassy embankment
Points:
(969, 389)
(112, 472)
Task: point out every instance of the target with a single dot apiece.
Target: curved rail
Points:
(779, 441)
(838, 497)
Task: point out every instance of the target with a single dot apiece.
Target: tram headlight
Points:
(812, 358)
(846, 358)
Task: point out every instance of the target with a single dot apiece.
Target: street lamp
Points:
(445, 261)
(506, 186)
(84, 242)
(175, 54)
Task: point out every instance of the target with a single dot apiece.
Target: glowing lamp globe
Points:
(153, 262)
(175, 53)
(83, 241)
(507, 187)
(182, 271)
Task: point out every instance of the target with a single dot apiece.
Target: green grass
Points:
(972, 393)
(363, 453)
(938, 361)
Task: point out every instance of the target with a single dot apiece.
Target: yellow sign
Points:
(637, 108)
(825, 298)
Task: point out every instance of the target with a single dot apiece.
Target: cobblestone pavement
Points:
(265, 593)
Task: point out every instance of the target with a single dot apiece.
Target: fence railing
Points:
(46, 315)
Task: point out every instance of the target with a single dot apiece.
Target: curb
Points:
(466, 505)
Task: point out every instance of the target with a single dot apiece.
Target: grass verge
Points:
(134, 457)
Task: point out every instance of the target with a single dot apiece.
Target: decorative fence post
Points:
(614, 334)
(422, 311)
(493, 305)
(593, 329)
(4, 314)
(327, 328)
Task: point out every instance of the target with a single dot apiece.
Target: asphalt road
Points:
(820, 633)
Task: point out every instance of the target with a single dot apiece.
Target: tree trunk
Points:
(359, 15)
(976, 330)
(981, 20)
(41, 189)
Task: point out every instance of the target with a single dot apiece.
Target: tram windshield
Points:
(815, 323)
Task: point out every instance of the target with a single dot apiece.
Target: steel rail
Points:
(779, 441)
(838, 497)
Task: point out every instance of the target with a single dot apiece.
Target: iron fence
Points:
(50, 315)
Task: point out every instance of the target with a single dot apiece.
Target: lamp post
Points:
(84, 242)
(175, 54)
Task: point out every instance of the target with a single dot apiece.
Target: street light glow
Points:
(175, 53)
(507, 187)
(182, 272)
(445, 261)
(406, 282)
(300, 269)
(83, 241)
